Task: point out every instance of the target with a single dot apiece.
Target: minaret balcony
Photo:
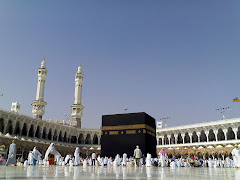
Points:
(39, 102)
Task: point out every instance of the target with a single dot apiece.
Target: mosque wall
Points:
(29, 132)
(207, 139)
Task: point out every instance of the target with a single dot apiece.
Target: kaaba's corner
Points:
(121, 133)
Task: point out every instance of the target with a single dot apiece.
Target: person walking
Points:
(12, 154)
(137, 155)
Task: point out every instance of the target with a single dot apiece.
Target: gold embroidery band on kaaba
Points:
(134, 126)
(113, 132)
(130, 131)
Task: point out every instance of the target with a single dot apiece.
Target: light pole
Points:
(222, 111)
(67, 116)
(164, 120)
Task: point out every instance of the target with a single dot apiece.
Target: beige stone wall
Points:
(27, 127)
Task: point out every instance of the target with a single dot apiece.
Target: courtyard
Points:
(67, 172)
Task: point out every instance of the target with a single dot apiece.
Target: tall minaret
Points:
(77, 107)
(39, 104)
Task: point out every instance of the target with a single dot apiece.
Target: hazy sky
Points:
(167, 58)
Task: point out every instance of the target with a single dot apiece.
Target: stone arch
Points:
(65, 137)
(50, 134)
(192, 154)
(220, 156)
(19, 149)
(220, 135)
(228, 154)
(44, 134)
(179, 139)
(200, 155)
(185, 155)
(217, 155)
(25, 153)
(211, 135)
(203, 137)
(230, 134)
(238, 133)
(165, 140)
(9, 128)
(88, 139)
(170, 155)
(17, 129)
(95, 139)
(24, 129)
(208, 155)
(172, 139)
(177, 155)
(1, 125)
(160, 141)
(31, 131)
(55, 135)
(80, 139)
(74, 139)
(60, 136)
(194, 137)
(38, 132)
(187, 138)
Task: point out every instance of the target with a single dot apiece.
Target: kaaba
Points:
(121, 133)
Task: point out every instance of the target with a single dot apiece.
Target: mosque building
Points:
(209, 139)
(36, 131)
(215, 138)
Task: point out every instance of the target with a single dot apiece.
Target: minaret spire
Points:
(77, 107)
(79, 69)
(39, 104)
(43, 64)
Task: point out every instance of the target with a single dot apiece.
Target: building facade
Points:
(215, 138)
(30, 132)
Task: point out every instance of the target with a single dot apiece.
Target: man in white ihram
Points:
(236, 156)
(93, 158)
(137, 155)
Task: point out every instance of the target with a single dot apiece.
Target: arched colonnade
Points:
(199, 135)
(40, 129)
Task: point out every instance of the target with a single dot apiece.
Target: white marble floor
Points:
(130, 173)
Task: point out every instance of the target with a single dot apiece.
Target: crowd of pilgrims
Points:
(53, 157)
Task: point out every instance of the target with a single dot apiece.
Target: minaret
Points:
(77, 107)
(39, 104)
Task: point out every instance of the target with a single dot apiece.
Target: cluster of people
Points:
(196, 162)
(164, 161)
(53, 157)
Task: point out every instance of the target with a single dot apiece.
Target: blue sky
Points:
(167, 58)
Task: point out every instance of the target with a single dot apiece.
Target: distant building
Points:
(159, 124)
(15, 107)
